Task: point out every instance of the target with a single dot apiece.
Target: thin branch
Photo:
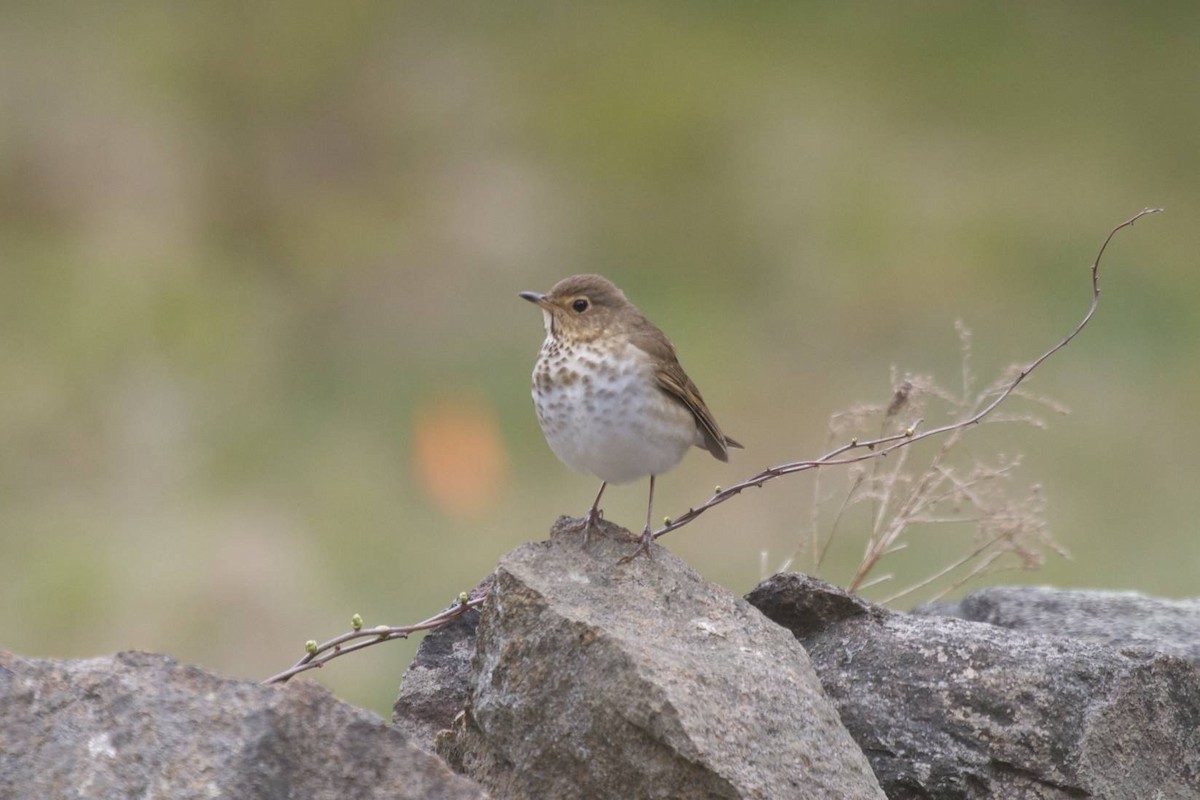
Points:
(880, 447)
(939, 574)
(319, 654)
(964, 349)
(980, 570)
(877, 580)
(960, 486)
(836, 521)
(933, 477)
(885, 499)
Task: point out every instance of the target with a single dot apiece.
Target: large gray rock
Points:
(598, 680)
(141, 725)
(951, 709)
(1116, 619)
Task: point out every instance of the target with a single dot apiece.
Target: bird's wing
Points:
(674, 381)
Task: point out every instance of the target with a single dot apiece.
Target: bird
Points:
(611, 397)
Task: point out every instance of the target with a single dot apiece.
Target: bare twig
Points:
(837, 520)
(856, 451)
(319, 654)
(966, 559)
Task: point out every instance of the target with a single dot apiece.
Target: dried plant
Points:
(916, 492)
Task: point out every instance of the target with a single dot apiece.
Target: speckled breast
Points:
(603, 413)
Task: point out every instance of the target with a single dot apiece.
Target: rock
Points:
(141, 725)
(946, 708)
(434, 689)
(1116, 619)
(598, 680)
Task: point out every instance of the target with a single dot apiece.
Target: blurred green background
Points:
(262, 360)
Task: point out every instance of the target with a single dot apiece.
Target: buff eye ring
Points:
(580, 305)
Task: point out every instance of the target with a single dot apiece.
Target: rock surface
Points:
(1116, 619)
(588, 678)
(599, 680)
(434, 689)
(141, 725)
(946, 708)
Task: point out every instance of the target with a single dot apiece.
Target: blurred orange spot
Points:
(460, 460)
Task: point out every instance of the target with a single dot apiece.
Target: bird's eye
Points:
(580, 305)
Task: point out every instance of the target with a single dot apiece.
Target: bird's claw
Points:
(591, 522)
(643, 546)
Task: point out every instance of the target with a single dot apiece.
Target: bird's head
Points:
(582, 307)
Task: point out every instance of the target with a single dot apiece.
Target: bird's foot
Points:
(643, 546)
(591, 522)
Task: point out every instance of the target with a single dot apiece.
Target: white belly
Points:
(614, 423)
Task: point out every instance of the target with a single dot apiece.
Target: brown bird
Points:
(611, 397)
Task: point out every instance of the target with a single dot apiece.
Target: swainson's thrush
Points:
(611, 397)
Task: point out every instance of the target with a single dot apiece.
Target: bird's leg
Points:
(594, 515)
(647, 539)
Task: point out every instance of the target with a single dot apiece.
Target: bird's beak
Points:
(534, 297)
